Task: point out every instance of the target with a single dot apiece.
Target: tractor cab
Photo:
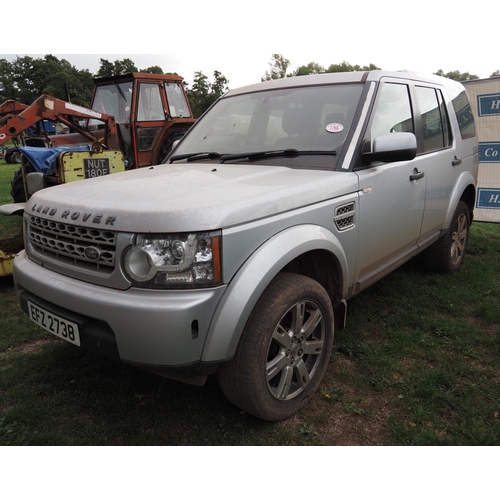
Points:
(151, 113)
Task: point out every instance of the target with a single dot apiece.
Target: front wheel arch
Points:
(249, 283)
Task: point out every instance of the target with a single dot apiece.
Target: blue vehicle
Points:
(45, 127)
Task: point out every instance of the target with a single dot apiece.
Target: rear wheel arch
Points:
(464, 190)
(469, 198)
(446, 255)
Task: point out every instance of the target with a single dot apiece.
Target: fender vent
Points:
(344, 216)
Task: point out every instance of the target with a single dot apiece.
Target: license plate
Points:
(96, 167)
(62, 328)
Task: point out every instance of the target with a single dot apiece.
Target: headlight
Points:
(174, 260)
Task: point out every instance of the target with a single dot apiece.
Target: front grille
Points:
(74, 245)
(344, 216)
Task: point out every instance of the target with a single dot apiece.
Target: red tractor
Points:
(139, 115)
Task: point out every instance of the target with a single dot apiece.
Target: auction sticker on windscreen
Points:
(334, 128)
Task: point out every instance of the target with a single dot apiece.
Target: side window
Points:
(464, 114)
(146, 137)
(150, 107)
(433, 119)
(393, 111)
(176, 100)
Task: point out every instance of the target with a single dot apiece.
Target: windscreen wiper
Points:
(120, 91)
(206, 155)
(288, 153)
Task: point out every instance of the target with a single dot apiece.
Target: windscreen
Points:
(114, 99)
(315, 118)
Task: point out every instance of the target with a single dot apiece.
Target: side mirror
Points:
(398, 146)
(169, 154)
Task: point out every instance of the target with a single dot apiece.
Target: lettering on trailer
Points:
(488, 104)
(489, 152)
(488, 198)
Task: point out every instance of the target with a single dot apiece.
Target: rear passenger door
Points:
(436, 151)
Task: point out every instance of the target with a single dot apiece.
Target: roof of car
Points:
(347, 77)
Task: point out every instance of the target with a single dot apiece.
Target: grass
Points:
(10, 227)
(418, 364)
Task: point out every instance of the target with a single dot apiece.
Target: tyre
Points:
(17, 187)
(284, 350)
(15, 157)
(447, 254)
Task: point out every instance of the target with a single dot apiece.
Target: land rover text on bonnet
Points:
(237, 256)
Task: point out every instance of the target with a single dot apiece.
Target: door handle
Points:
(416, 175)
(456, 162)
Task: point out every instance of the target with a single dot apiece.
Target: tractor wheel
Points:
(15, 157)
(17, 184)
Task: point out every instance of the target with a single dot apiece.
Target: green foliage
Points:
(457, 75)
(203, 93)
(278, 67)
(312, 68)
(154, 70)
(26, 78)
(345, 66)
(118, 67)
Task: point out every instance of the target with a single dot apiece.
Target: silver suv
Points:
(237, 256)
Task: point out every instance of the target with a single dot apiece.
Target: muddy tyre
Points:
(17, 187)
(447, 254)
(284, 350)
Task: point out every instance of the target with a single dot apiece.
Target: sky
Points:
(239, 39)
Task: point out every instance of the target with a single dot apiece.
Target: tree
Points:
(118, 67)
(312, 68)
(25, 79)
(64, 81)
(456, 75)
(495, 73)
(219, 86)
(152, 69)
(345, 66)
(7, 83)
(203, 94)
(279, 65)
(277, 68)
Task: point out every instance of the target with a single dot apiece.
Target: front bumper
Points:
(160, 330)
